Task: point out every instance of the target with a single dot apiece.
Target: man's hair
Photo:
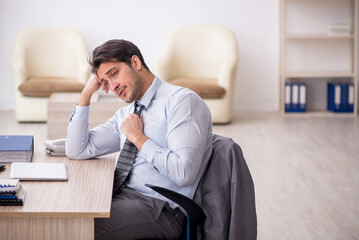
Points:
(113, 51)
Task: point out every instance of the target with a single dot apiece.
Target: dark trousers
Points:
(136, 216)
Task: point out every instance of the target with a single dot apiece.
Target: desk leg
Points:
(38, 228)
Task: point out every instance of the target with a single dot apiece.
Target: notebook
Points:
(16, 148)
(39, 171)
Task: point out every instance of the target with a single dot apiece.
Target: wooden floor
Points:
(305, 171)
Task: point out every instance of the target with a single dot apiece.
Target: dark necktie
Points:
(125, 160)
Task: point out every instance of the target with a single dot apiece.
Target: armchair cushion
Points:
(204, 87)
(45, 86)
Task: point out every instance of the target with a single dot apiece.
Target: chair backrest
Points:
(50, 51)
(226, 193)
(200, 51)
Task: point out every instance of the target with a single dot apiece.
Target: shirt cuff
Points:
(81, 113)
(149, 149)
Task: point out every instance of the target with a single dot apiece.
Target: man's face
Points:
(122, 80)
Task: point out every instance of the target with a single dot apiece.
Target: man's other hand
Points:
(132, 127)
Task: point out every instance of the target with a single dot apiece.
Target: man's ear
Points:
(136, 62)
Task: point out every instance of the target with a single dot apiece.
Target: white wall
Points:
(146, 23)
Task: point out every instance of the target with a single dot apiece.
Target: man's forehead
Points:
(106, 68)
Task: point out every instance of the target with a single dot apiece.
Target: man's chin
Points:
(125, 100)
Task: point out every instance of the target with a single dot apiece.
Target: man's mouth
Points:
(121, 91)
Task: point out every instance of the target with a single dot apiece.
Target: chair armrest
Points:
(194, 211)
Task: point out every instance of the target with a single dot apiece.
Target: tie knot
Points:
(138, 108)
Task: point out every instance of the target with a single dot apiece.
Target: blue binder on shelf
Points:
(340, 97)
(295, 97)
(302, 97)
(288, 96)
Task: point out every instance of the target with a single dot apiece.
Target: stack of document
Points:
(16, 148)
(11, 192)
(338, 29)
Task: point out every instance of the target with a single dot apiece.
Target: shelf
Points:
(314, 54)
(318, 74)
(320, 36)
(318, 114)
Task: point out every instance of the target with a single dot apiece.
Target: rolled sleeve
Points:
(149, 149)
(81, 113)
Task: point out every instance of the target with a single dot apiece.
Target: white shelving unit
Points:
(309, 54)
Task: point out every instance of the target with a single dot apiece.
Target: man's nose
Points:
(113, 86)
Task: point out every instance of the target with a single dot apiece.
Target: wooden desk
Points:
(61, 210)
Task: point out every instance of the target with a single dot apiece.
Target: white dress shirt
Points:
(178, 125)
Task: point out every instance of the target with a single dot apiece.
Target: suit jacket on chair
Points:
(226, 194)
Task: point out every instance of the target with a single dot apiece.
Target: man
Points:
(172, 136)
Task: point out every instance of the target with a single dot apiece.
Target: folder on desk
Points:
(16, 148)
(39, 171)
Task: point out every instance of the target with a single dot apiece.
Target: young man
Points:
(172, 136)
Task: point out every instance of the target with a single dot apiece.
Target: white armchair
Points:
(46, 60)
(204, 59)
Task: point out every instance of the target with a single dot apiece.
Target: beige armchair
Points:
(204, 59)
(46, 60)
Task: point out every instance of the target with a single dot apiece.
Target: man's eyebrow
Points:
(106, 73)
(109, 70)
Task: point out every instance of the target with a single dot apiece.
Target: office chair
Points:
(195, 214)
(223, 206)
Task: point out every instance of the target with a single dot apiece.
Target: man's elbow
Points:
(186, 174)
(73, 155)
(185, 181)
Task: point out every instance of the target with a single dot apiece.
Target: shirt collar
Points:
(150, 93)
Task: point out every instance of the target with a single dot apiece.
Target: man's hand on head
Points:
(92, 85)
(105, 86)
(132, 127)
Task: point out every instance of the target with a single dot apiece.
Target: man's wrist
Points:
(85, 98)
(140, 141)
